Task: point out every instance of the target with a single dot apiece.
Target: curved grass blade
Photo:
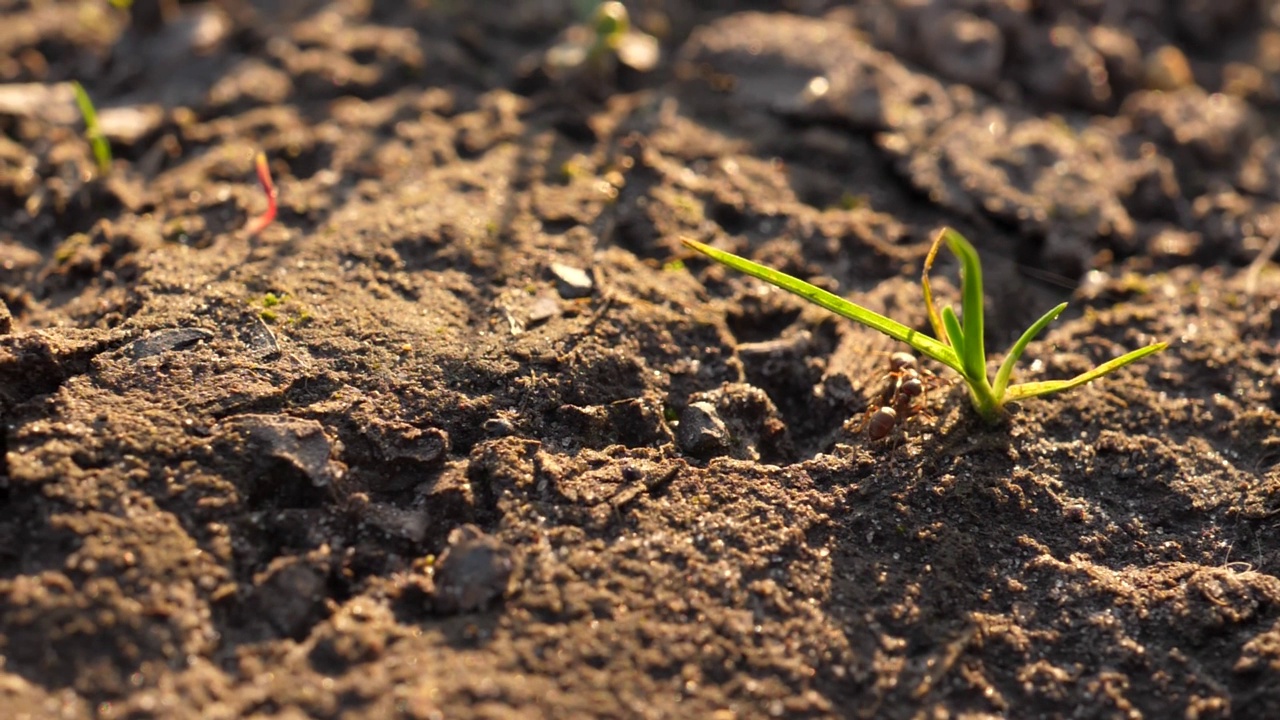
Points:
(1035, 389)
(934, 319)
(984, 402)
(954, 334)
(974, 355)
(1015, 352)
(836, 304)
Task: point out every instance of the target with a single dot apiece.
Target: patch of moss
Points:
(849, 201)
(276, 306)
(69, 247)
(573, 168)
(303, 317)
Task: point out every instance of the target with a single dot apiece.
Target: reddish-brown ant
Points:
(901, 397)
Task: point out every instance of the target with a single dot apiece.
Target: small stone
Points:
(1168, 69)
(401, 443)
(411, 525)
(129, 124)
(701, 431)
(1173, 244)
(472, 572)
(167, 340)
(53, 103)
(290, 596)
(639, 51)
(753, 428)
(298, 443)
(543, 309)
(571, 282)
(499, 427)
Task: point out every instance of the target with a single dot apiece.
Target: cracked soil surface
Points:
(467, 433)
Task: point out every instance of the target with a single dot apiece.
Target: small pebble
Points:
(571, 282)
(301, 444)
(160, 341)
(701, 431)
(1168, 69)
(472, 572)
(543, 309)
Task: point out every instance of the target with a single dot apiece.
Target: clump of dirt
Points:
(466, 432)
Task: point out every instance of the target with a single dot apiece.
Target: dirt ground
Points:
(467, 433)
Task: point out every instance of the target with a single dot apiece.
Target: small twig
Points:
(944, 661)
(606, 294)
(648, 484)
(1254, 273)
(268, 187)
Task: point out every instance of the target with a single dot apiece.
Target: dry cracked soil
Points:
(466, 432)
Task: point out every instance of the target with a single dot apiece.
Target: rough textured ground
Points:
(396, 456)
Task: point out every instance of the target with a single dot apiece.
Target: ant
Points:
(902, 396)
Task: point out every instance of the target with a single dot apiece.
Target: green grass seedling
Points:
(615, 37)
(92, 130)
(959, 344)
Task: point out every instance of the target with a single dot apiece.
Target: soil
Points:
(466, 432)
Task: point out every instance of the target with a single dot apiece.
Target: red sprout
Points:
(268, 187)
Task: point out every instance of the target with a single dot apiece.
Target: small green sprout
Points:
(92, 130)
(849, 201)
(959, 344)
(605, 39)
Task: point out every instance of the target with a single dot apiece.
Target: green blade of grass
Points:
(1006, 368)
(1034, 389)
(836, 304)
(954, 334)
(92, 130)
(934, 318)
(984, 402)
(974, 355)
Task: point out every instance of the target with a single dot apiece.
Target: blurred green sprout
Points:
(92, 130)
(605, 40)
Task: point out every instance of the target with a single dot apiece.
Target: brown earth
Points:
(398, 455)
